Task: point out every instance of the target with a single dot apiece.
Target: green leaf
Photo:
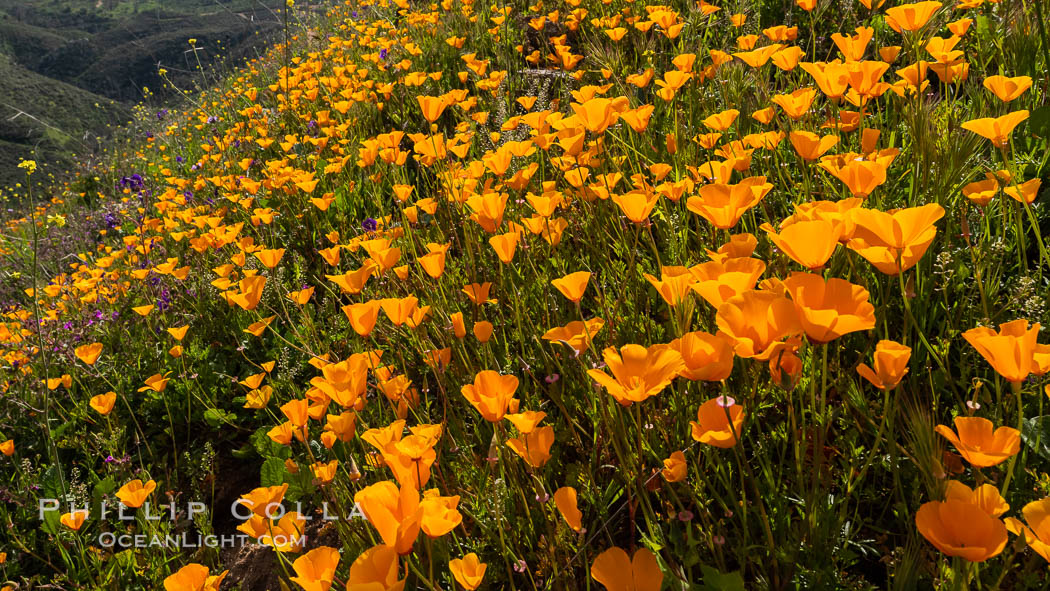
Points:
(51, 483)
(216, 417)
(51, 521)
(1039, 121)
(103, 488)
(716, 581)
(1035, 432)
(273, 472)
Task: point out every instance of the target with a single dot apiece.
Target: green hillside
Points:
(50, 117)
(71, 69)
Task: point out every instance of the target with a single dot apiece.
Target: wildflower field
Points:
(580, 294)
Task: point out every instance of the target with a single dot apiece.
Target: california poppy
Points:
(996, 129)
(534, 447)
(468, 571)
(565, 500)
(1007, 89)
(894, 242)
(911, 17)
(194, 577)
(573, 285)
(1010, 350)
(796, 104)
(103, 403)
(675, 467)
(811, 146)
(978, 444)
(1037, 531)
(617, 571)
(757, 321)
(723, 205)
(89, 353)
(134, 493)
(891, 363)
(718, 422)
(577, 334)
(376, 568)
(673, 285)
(828, 309)
(316, 569)
(394, 512)
(490, 393)
(808, 243)
(705, 356)
(638, 372)
(1025, 192)
(940, 523)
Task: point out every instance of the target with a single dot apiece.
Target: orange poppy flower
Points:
(809, 243)
(891, 363)
(787, 59)
(832, 78)
(861, 177)
(636, 205)
(673, 285)
(534, 447)
(479, 293)
(134, 493)
(796, 104)
(1010, 350)
(894, 242)
(505, 245)
(565, 500)
(996, 129)
(675, 467)
(981, 193)
(316, 569)
(811, 146)
(399, 310)
(103, 403)
(1037, 531)
(491, 393)
(757, 321)
(738, 246)
(617, 571)
(723, 205)
(1007, 89)
(852, 47)
(432, 107)
(573, 285)
(718, 422)
(376, 568)
(194, 577)
(394, 512)
(270, 258)
(722, 120)
(828, 309)
(1025, 192)
(638, 373)
(74, 520)
(986, 497)
(362, 316)
(911, 17)
(468, 571)
(961, 528)
(577, 335)
(978, 444)
(89, 353)
(596, 114)
(705, 356)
